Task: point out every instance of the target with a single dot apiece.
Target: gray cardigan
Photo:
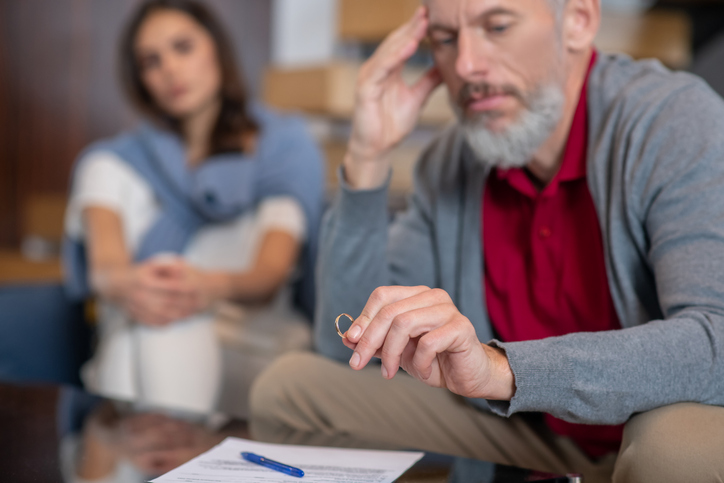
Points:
(656, 174)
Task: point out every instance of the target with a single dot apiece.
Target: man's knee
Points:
(271, 391)
(681, 442)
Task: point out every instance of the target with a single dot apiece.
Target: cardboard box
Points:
(329, 90)
(373, 20)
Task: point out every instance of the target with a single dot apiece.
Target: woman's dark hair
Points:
(234, 120)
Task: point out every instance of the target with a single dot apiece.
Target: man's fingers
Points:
(415, 28)
(381, 297)
(397, 48)
(349, 344)
(410, 325)
(388, 61)
(448, 338)
(407, 355)
(426, 84)
(408, 28)
(390, 303)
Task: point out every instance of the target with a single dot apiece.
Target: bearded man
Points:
(555, 289)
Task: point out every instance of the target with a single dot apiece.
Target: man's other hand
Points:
(386, 107)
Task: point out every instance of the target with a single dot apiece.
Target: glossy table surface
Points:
(50, 434)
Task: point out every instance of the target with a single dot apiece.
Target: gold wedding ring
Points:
(336, 324)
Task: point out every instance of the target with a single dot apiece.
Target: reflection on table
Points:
(55, 433)
(114, 441)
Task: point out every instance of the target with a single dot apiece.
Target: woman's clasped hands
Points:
(160, 291)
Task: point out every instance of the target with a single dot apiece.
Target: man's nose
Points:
(472, 63)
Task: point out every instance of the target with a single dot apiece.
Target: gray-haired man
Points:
(573, 218)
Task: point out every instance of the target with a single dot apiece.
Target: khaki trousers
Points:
(304, 398)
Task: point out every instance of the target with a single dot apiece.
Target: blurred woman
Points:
(212, 198)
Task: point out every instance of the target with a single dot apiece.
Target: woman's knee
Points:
(680, 442)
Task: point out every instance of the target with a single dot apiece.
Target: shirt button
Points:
(544, 232)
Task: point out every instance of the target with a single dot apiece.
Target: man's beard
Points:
(515, 145)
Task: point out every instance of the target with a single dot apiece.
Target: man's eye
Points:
(443, 41)
(499, 28)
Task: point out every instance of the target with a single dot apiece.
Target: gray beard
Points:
(515, 146)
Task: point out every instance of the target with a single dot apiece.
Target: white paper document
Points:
(224, 464)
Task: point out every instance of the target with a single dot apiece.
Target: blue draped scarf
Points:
(286, 162)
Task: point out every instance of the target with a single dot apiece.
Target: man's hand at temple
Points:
(421, 330)
(386, 107)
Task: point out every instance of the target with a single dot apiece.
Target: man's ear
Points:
(580, 23)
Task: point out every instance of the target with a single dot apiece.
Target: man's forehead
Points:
(452, 12)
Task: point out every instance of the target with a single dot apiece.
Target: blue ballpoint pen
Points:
(271, 464)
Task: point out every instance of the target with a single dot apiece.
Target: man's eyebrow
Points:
(479, 18)
(437, 27)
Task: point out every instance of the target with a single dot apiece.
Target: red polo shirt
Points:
(544, 265)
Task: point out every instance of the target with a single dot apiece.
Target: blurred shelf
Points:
(329, 90)
(14, 268)
(661, 34)
(42, 232)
